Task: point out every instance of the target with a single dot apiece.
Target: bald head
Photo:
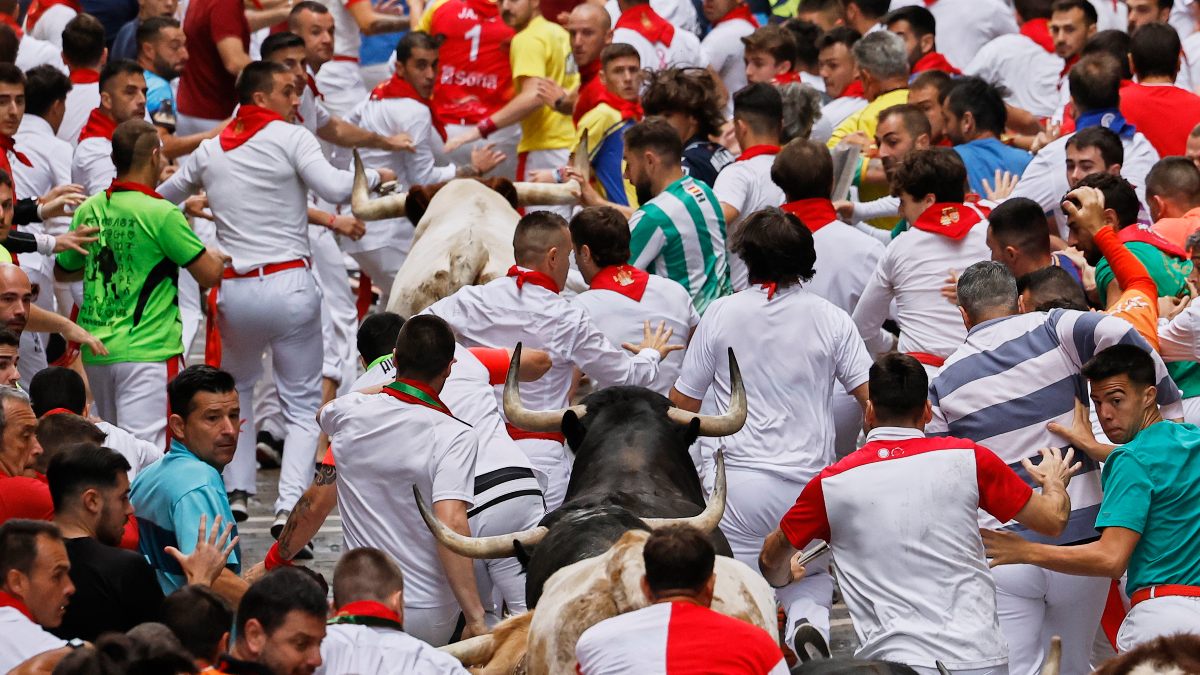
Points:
(591, 29)
(16, 294)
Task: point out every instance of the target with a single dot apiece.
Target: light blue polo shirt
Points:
(169, 497)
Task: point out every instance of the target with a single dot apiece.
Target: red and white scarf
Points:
(950, 219)
(647, 23)
(627, 280)
(249, 120)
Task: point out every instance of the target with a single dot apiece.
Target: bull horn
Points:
(561, 194)
(499, 546)
(941, 668)
(720, 425)
(1053, 658)
(530, 420)
(708, 519)
(472, 651)
(365, 208)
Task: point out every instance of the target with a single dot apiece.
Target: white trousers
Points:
(342, 86)
(434, 625)
(133, 396)
(339, 317)
(1158, 617)
(551, 465)
(537, 160)
(281, 311)
(501, 581)
(754, 505)
(186, 125)
(847, 422)
(1035, 604)
(190, 300)
(505, 140)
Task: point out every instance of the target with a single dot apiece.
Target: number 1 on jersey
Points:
(474, 34)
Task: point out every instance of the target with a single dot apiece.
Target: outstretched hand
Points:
(656, 339)
(204, 564)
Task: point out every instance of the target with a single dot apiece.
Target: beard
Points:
(645, 192)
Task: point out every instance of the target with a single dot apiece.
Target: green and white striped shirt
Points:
(680, 234)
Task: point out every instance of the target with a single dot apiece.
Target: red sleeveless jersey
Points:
(474, 74)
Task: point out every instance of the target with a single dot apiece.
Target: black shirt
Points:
(115, 590)
(703, 160)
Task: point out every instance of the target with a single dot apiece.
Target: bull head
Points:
(504, 545)
(528, 194)
(551, 420)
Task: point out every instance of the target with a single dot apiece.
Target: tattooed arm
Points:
(310, 512)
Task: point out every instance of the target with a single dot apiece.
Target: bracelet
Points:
(274, 560)
(486, 128)
(332, 217)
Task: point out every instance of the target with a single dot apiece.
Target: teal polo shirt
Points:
(169, 497)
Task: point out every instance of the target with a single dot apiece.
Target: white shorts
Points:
(1158, 617)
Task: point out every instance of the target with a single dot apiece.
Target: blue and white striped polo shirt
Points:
(1016, 374)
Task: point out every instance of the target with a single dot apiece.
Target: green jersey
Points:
(680, 234)
(131, 275)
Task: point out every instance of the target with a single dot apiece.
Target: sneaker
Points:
(305, 553)
(238, 503)
(280, 520)
(808, 642)
(268, 451)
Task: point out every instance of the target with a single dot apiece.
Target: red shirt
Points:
(474, 75)
(1165, 114)
(22, 497)
(206, 88)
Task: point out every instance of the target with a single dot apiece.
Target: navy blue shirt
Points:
(113, 14)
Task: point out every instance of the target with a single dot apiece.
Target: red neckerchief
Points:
(1133, 233)
(58, 411)
(854, 90)
(815, 213)
(589, 72)
(627, 280)
(770, 287)
(7, 600)
(534, 277)
(312, 84)
(1069, 65)
(85, 76)
(129, 186)
(647, 23)
(949, 219)
(786, 78)
(629, 110)
(367, 613)
(249, 120)
(934, 61)
(99, 125)
(8, 20)
(1038, 30)
(417, 393)
(398, 87)
(756, 150)
(590, 95)
(6, 146)
(39, 7)
(740, 12)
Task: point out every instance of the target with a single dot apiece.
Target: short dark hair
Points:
(18, 544)
(417, 39)
(605, 232)
(843, 35)
(424, 347)
(258, 77)
(803, 169)
(79, 467)
(6, 179)
(365, 574)
(56, 433)
(10, 339)
(1155, 49)
(872, 9)
(920, 19)
(678, 557)
(305, 5)
(774, 40)
(618, 50)
(1021, 223)
(1112, 150)
(776, 247)
(534, 235)
(984, 101)
(691, 91)
(199, 618)
(57, 387)
(1114, 42)
(915, 122)
(277, 42)
(987, 285)
(936, 171)
(270, 599)
(1119, 196)
(1128, 360)
(119, 67)
(1175, 178)
(805, 33)
(898, 386)
(1033, 9)
(83, 41)
(656, 135)
(44, 85)
(760, 106)
(1090, 17)
(1095, 82)
(133, 143)
(10, 74)
(149, 29)
(10, 44)
(1052, 288)
(377, 335)
(193, 380)
(938, 79)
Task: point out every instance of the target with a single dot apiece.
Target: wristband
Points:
(486, 128)
(332, 217)
(274, 560)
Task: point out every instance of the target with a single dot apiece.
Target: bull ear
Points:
(691, 432)
(522, 555)
(573, 429)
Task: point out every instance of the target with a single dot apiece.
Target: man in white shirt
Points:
(970, 24)
(340, 80)
(804, 348)
(366, 633)
(525, 307)
(269, 296)
(34, 589)
(946, 235)
(439, 460)
(731, 21)
(122, 97)
(622, 297)
(84, 54)
(839, 69)
(30, 51)
(745, 186)
(46, 19)
(1023, 63)
(657, 40)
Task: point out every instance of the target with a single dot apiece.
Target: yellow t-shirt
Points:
(543, 49)
(5, 256)
(867, 119)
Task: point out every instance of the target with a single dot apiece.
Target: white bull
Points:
(583, 594)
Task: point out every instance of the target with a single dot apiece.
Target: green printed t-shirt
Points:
(131, 275)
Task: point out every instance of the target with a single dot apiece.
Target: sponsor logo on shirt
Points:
(466, 78)
(695, 191)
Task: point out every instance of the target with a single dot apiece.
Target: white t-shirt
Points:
(746, 186)
(965, 26)
(382, 447)
(50, 26)
(81, 101)
(51, 160)
(313, 114)
(346, 37)
(1029, 73)
(32, 52)
(724, 51)
(684, 51)
(680, 13)
(92, 165)
(349, 648)
(620, 318)
(140, 454)
(22, 639)
(837, 110)
(791, 349)
(846, 259)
